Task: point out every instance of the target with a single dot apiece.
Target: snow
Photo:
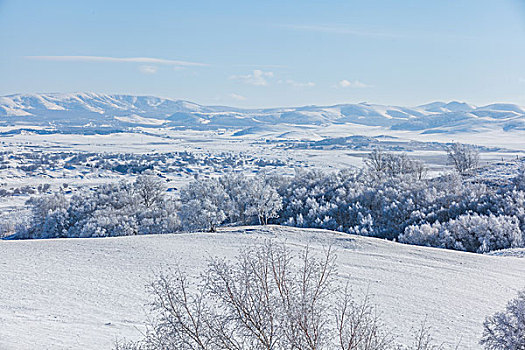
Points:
(85, 293)
(516, 252)
(137, 119)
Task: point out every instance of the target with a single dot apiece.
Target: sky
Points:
(268, 53)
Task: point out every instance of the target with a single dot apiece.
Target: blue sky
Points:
(268, 53)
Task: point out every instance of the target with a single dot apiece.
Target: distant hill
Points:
(63, 112)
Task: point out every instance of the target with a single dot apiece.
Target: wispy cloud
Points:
(257, 78)
(338, 30)
(237, 97)
(297, 84)
(351, 84)
(148, 69)
(147, 60)
(521, 80)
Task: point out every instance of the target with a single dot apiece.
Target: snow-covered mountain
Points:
(89, 110)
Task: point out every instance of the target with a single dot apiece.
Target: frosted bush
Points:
(119, 209)
(469, 232)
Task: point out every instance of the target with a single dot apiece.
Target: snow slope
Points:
(85, 293)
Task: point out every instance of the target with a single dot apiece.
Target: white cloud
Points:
(148, 69)
(351, 84)
(257, 78)
(237, 97)
(521, 80)
(297, 84)
(149, 60)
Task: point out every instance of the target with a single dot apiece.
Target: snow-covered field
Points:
(85, 293)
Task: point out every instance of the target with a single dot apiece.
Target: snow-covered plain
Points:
(85, 293)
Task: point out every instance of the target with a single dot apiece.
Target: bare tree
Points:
(390, 164)
(267, 299)
(463, 157)
(419, 169)
(359, 327)
(376, 160)
(423, 339)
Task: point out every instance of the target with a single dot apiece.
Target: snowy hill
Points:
(90, 110)
(85, 293)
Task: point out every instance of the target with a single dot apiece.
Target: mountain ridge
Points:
(83, 109)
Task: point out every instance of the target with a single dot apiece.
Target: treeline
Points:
(390, 198)
(131, 163)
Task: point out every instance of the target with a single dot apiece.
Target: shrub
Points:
(505, 330)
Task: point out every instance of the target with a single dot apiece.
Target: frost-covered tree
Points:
(155, 212)
(463, 157)
(264, 201)
(238, 187)
(505, 330)
(161, 218)
(253, 199)
(150, 189)
(204, 205)
(108, 223)
(377, 161)
(49, 217)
